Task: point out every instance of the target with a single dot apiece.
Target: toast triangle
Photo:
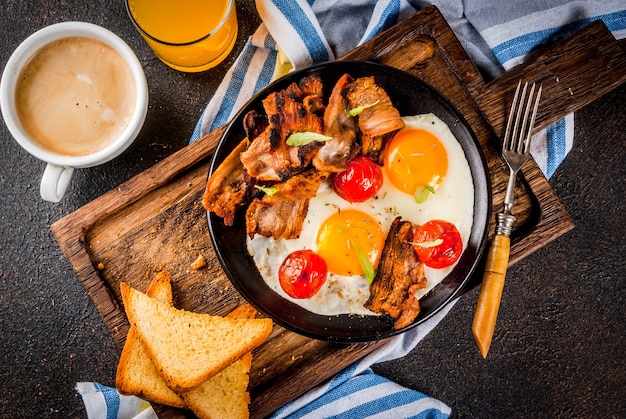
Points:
(188, 348)
(225, 395)
(136, 374)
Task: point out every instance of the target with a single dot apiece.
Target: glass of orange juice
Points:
(187, 35)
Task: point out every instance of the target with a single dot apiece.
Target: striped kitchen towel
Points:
(103, 402)
(357, 392)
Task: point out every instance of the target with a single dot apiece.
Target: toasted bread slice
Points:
(226, 394)
(136, 374)
(188, 348)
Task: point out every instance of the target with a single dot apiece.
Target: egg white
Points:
(453, 202)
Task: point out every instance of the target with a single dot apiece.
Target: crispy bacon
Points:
(375, 122)
(335, 154)
(258, 159)
(227, 189)
(254, 124)
(309, 92)
(287, 116)
(400, 274)
(281, 215)
(312, 89)
(269, 157)
(311, 85)
(293, 91)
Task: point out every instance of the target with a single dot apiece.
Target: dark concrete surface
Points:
(558, 349)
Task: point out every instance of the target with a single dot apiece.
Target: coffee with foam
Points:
(75, 96)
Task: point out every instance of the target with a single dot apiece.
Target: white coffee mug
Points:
(60, 166)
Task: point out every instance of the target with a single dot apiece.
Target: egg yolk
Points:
(347, 236)
(415, 158)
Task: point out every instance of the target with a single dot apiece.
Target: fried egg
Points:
(423, 156)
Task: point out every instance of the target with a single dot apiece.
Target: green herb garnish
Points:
(298, 139)
(364, 262)
(433, 243)
(359, 109)
(269, 190)
(422, 193)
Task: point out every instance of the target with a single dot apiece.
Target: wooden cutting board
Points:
(155, 221)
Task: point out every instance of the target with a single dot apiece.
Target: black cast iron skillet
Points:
(411, 96)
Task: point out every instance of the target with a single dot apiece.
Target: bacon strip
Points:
(281, 215)
(375, 122)
(312, 89)
(287, 116)
(258, 159)
(269, 157)
(335, 154)
(254, 124)
(227, 188)
(400, 274)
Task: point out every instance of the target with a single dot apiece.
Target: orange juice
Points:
(188, 35)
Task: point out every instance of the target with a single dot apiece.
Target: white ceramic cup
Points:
(59, 168)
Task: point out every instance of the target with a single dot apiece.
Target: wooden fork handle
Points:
(491, 292)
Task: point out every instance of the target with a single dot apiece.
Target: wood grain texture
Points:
(155, 220)
(574, 72)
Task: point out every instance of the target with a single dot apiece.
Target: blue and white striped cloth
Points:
(497, 35)
(357, 392)
(103, 402)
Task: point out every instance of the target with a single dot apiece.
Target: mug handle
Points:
(55, 181)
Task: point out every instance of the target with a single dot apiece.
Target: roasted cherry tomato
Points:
(302, 273)
(360, 181)
(437, 244)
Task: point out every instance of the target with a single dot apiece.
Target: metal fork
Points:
(515, 151)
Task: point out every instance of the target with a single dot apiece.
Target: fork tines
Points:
(518, 140)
